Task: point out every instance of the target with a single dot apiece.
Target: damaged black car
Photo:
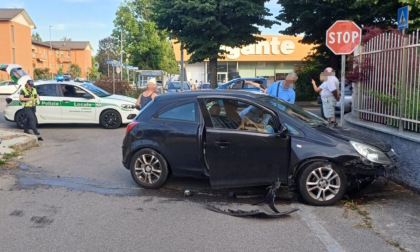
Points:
(241, 139)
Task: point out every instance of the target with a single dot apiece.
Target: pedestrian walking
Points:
(30, 98)
(148, 95)
(284, 89)
(329, 92)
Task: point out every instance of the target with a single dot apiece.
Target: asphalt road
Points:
(73, 194)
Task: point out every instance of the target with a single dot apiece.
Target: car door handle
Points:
(222, 144)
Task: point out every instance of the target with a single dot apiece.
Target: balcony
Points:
(64, 59)
(40, 56)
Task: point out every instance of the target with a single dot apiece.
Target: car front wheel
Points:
(110, 119)
(149, 169)
(322, 183)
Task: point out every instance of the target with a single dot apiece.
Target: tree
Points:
(66, 39)
(313, 18)
(36, 37)
(204, 26)
(144, 45)
(106, 51)
(42, 73)
(74, 70)
(60, 70)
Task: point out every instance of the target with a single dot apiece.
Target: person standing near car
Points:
(329, 93)
(284, 89)
(30, 98)
(148, 95)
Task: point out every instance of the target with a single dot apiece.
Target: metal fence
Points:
(389, 89)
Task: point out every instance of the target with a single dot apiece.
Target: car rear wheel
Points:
(322, 183)
(149, 169)
(110, 119)
(20, 119)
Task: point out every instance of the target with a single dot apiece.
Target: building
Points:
(15, 39)
(61, 54)
(16, 46)
(271, 58)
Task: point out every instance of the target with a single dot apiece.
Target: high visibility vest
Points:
(33, 95)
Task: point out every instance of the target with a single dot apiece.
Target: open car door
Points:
(242, 145)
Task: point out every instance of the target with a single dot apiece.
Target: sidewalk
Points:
(11, 141)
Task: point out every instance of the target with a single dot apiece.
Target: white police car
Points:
(72, 102)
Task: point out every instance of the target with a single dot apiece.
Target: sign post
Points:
(402, 25)
(403, 19)
(342, 38)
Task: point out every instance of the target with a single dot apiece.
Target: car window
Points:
(73, 91)
(252, 86)
(238, 115)
(47, 90)
(185, 112)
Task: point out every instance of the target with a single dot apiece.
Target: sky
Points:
(84, 20)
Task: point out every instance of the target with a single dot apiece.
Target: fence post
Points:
(359, 84)
(403, 83)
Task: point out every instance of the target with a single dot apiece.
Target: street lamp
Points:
(51, 54)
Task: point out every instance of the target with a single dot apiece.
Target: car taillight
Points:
(130, 126)
(9, 100)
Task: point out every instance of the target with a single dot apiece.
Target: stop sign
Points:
(343, 37)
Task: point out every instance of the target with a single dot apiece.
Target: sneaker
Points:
(40, 138)
(26, 132)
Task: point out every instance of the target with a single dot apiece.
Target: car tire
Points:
(20, 119)
(322, 183)
(110, 119)
(149, 169)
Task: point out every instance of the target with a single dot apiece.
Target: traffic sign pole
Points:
(342, 93)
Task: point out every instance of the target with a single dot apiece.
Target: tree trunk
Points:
(213, 73)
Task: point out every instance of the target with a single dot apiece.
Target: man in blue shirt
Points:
(284, 89)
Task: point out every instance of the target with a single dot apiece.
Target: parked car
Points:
(67, 77)
(239, 139)
(8, 87)
(348, 99)
(73, 102)
(175, 86)
(204, 86)
(239, 83)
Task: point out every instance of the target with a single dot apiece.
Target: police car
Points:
(73, 102)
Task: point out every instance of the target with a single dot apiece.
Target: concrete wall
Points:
(406, 145)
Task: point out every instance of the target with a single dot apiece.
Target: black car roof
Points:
(221, 93)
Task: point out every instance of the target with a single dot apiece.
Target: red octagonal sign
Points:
(343, 37)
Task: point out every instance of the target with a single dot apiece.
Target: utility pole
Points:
(182, 67)
(121, 53)
(51, 55)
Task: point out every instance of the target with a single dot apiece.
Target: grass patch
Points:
(396, 245)
(8, 156)
(367, 221)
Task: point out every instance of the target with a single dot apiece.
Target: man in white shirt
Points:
(329, 91)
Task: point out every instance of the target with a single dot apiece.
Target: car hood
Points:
(120, 98)
(355, 135)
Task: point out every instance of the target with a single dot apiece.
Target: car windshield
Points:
(177, 85)
(97, 91)
(295, 111)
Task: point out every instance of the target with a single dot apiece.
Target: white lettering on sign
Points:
(342, 37)
(273, 47)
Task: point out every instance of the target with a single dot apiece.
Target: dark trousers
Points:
(30, 120)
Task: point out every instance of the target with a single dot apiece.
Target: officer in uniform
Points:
(29, 97)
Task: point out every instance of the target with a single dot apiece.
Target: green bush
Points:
(42, 74)
(121, 87)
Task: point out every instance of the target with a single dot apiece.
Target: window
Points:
(13, 34)
(47, 90)
(14, 56)
(68, 53)
(62, 53)
(185, 112)
(73, 91)
(56, 53)
(238, 115)
(252, 86)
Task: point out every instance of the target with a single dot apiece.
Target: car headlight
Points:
(371, 153)
(128, 106)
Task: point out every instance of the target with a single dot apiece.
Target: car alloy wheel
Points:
(322, 183)
(20, 119)
(149, 168)
(110, 119)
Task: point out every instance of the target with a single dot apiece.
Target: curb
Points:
(26, 141)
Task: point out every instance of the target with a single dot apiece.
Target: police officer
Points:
(29, 97)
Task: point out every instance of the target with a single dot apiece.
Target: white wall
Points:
(195, 72)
